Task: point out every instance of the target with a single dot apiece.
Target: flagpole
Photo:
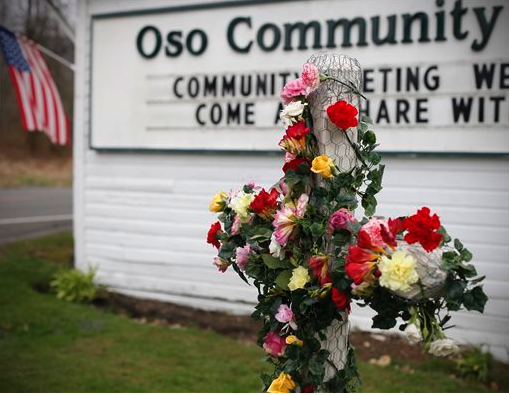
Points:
(56, 57)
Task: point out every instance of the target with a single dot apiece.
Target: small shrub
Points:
(474, 364)
(75, 286)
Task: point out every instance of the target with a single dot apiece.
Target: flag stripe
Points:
(60, 113)
(23, 101)
(19, 98)
(40, 102)
(60, 117)
(25, 78)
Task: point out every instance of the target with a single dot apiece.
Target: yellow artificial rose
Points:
(294, 339)
(323, 165)
(398, 271)
(283, 384)
(300, 276)
(218, 202)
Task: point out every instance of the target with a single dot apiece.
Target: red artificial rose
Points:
(359, 263)
(308, 389)
(320, 266)
(294, 164)
(369, 241)
(264, 204)
(358, 254)
(359, 271)
(343, 114)
(297, 130)
(391, 230)
(341, 300)
(421, 228)
(212, 235)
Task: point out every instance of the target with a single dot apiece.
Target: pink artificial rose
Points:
(283, 186)
(221, 264)
(292, 89)
(274, 344)
(235, 230)
(284, 313)
(251, 184)
(242, 256)
(310, 77)
(340, 220)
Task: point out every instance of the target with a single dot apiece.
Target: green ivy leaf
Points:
(369, 138)
(467, 270)
(466, 255)
(383, 321)
(316, 230)
(374, 158)
(454, 293)
(458, 245)
(450, 260)
(261, 234)
(475, 299)
(275, 263)
(342, 237)
(369, 204)
(283, 279)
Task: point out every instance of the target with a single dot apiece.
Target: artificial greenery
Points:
(309, 257)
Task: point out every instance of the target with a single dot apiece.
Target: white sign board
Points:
(208, 77)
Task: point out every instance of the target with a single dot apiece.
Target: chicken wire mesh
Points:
(331, 140)
(333, 143)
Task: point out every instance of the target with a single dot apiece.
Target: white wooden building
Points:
(146, 169)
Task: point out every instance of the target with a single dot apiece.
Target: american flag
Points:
(37, 95)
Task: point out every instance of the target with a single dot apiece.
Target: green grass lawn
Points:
(47, 345)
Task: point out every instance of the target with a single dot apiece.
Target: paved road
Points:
(33, 212)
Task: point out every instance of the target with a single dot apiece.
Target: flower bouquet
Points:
(301, 246)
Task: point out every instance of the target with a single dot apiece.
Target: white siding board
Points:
(143, 227)
(142, 218)
(129, 184)
(190, 287)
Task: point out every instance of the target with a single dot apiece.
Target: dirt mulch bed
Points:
(244, 328)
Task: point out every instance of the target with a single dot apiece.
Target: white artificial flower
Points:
(291, 111)
(240, 203)
(275, 249)
(412, 333)
(443, 347)
(398, 271)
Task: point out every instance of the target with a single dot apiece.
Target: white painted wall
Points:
(142, 219)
